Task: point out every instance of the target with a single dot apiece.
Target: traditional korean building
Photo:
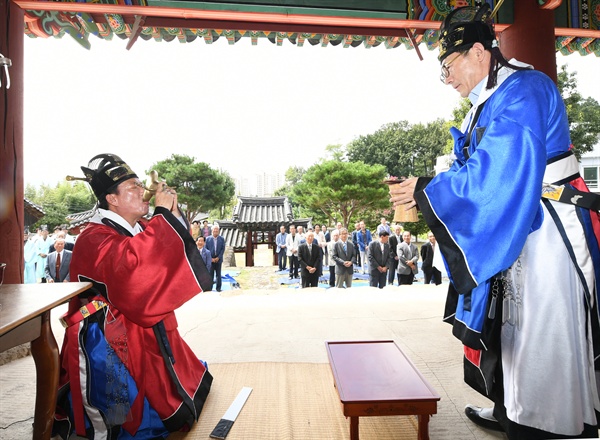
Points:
(256, 220)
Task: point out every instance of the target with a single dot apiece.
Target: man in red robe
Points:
(126, 371)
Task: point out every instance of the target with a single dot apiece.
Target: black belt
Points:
(566, 194)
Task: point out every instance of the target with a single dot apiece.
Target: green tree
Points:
(388, 146)
(583, 114)
(342, 190)
(404, 150)
(199, 187)
(429, 142)
(58, 202)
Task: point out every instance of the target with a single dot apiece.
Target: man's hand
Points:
(167, 198)
(402, 194)
(347, 263)
(311, 269)
(49, 280)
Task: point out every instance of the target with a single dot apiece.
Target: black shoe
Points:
(488, 422)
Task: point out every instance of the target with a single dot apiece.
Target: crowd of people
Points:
(47, 256)
(386, 255)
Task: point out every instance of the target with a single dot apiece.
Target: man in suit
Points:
(408, 256)
(379, 260)
(343, 255)
(354, 239)
(68, 245)
(58, 262)
(430, 272)
(310, 259)
(394, 241)
(292, 242)
(204, 253)
(280, 241)
(363, 240)
(335, 236)
(216, 245)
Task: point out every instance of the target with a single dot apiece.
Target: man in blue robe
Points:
(523, 260)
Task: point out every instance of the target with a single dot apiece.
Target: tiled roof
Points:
(232, 235)
(80, 218)
(262, 213)
(33, 209)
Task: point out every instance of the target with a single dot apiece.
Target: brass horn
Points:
(152, 187)
(70, 178)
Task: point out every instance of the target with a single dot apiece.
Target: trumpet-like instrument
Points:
(70, 178)
(152, 187)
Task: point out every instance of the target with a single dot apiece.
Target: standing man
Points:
(335, 236)
(343, 255)
(363, 240)
(395, 240)
(42, 244)
(204, 253)
(58, 262)
(325, 231)
(216, 245)
(310, 259)
(383, 226)
(379, 260)
(280, 241)
(125, 369)
(301, 234)
(430, 272)
(292, 242)
(408, 256)
(354, 239)
(523, 260)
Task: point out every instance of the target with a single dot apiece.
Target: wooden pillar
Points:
(531, 37)
(272, 237)
(12, 222)
(249, 250)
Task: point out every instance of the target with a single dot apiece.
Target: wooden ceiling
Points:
(351, 23)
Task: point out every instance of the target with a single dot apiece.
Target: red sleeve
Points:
(147, 276)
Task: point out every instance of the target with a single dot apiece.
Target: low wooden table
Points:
(25, 317)
(375, 378)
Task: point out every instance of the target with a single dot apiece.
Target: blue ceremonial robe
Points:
(488, 216)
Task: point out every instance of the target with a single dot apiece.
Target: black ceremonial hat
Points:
(464, 27)
(106, 171)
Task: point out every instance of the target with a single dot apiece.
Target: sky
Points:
(243, 109)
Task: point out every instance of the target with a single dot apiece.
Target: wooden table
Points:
(375, 378)
(25, 317)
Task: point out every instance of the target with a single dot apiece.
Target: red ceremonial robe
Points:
(141, 279)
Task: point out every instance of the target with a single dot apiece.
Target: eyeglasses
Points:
(446, 68)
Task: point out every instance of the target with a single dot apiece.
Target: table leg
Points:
(45, 354)
(353, 428)
(423, 427)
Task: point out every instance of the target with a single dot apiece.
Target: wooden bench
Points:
(375, 378)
